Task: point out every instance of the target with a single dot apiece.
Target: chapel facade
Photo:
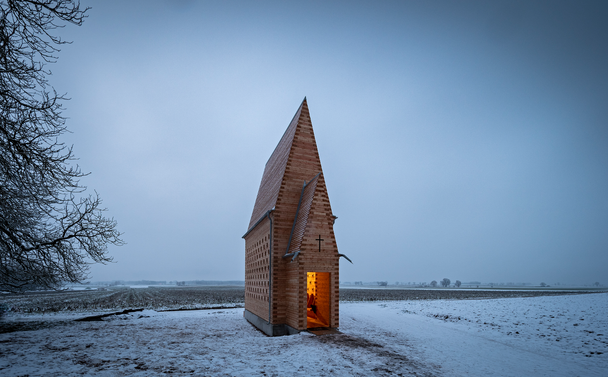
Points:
(291, 255)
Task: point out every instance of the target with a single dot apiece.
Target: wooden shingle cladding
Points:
(291, 212)
(273, 173)
(302, 212)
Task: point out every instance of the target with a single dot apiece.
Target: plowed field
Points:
(125, 298)
(441, 294)
(199, 297)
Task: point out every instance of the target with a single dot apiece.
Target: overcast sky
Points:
(466, 139)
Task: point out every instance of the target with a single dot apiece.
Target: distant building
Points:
(291, 256)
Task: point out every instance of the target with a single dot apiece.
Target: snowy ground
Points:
(538, 336)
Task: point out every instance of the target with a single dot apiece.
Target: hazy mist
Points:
(466, 140)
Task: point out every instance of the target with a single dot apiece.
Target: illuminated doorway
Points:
(317, 299)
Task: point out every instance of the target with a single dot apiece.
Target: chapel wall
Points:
(303, 165)
(257, 248)
(288, 279)
(320, 222)
(293, 296)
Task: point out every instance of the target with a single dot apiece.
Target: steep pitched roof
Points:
(299, 224)
(275, 169)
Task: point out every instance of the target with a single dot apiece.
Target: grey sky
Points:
(466, 139)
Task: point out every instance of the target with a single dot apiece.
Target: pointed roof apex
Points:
(277, 163)
(303, 108)
(303, 105)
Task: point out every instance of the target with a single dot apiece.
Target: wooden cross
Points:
(319, 239)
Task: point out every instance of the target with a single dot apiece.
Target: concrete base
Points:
(269, 329)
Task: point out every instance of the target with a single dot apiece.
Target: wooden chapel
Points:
(291, 255)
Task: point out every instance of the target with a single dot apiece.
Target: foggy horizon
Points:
(372, 283)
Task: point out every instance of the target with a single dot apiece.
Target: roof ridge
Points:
(298, 112)
(274, 170)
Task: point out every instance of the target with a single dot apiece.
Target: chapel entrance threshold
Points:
(317, 300)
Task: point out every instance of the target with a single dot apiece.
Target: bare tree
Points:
(445, 282)
(458, 283)
(434, 283)
(49, 230)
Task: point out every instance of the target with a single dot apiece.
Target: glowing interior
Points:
(317, 297)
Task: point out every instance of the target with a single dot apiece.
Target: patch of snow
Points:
(501, 337)
(539, 336)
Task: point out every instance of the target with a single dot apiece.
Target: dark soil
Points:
(116, 298)
(200, 297)
(440, 294)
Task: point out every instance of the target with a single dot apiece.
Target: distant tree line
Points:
(446, 283)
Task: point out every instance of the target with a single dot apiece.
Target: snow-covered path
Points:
(501, 337)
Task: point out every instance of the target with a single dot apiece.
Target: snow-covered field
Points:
(536, 336)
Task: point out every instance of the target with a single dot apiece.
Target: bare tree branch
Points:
(48, 233)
